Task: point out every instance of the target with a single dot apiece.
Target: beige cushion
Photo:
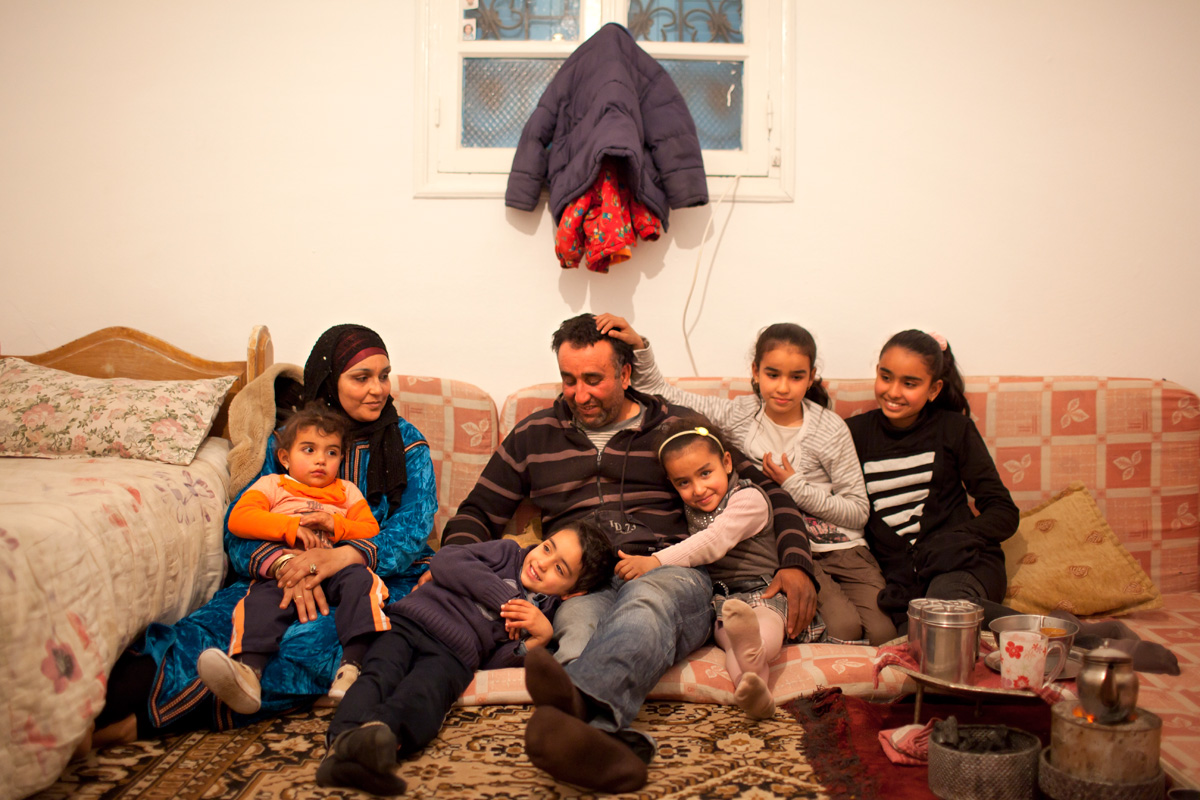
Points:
(48, 413)
(1064, 556)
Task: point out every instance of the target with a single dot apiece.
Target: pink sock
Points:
(750, 637)
(754, 697)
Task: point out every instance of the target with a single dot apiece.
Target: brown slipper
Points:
(550, 685)
(570, 750)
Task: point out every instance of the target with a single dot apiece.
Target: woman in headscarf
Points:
(388, 459)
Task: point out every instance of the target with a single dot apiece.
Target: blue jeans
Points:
(641, 627)
(576, 619)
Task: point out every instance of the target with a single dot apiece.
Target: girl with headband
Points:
(730, 531)
(787, 428)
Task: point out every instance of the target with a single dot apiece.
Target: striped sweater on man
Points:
(549, 460)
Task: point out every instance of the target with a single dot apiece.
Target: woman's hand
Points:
(619, 328)
(630, 567)
(301, 577)
(778, 472)
(318, 521)
(522, 615)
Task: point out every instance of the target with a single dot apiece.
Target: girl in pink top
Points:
(730, 531)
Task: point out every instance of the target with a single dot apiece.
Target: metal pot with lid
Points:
(944, 637)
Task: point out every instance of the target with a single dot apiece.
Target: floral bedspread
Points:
(90, 553)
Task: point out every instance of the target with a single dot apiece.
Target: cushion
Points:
(48, 413)
(1065, 556)
(798, 671)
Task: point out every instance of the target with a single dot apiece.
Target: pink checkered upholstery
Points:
(459, 420)
(798, 671)
(1134, 442)
(1174, 698)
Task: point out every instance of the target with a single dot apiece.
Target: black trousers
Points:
(259, 623)
(409, 680)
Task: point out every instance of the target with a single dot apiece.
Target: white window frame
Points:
(765, 166)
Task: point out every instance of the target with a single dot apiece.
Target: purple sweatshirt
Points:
(460, 607)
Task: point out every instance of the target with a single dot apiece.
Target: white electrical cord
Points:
(699, 257)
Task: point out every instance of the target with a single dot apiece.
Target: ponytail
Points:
(818, 393)
(943, 366)
(954, 391)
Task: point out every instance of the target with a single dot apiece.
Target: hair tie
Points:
(698, 431)
(941, 340)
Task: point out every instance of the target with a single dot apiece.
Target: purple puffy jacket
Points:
(610, 98)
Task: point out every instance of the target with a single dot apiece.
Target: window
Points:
(483, 65)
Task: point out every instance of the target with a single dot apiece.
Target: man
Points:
(594, 455)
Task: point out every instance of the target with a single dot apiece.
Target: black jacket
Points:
(610, 98)
(921, 523)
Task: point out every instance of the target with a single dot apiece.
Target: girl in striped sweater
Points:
(787, 428)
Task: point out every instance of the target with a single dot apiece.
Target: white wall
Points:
(1022, 176)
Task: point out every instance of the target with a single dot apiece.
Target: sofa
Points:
(1126, 451)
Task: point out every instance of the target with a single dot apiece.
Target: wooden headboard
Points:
(127, 353)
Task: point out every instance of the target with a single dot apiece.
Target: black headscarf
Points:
(333, 353)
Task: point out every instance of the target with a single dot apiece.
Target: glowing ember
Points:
(1079, 713)
(1083, 715)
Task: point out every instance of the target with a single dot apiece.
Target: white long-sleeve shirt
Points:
(828, 482)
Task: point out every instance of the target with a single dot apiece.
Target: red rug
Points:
(842, 740)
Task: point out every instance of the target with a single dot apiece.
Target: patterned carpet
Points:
(706, 751)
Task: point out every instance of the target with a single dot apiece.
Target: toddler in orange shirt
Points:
(308, 508)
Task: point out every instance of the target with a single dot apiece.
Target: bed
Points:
(113, 488)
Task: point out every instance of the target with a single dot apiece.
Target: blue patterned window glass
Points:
(526, 20)
(686, 20)
(713, 92)
(499, 95)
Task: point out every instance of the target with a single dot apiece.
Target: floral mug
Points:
(1023, 659)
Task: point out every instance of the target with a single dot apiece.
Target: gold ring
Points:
(312, 569)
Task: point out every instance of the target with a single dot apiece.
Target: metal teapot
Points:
(1107, 685)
